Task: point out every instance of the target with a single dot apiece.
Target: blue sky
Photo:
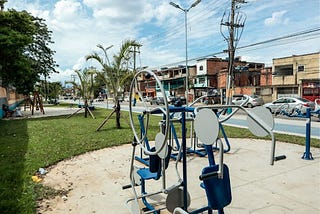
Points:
(79, 25)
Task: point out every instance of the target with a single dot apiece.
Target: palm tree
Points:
(116, 74)
(85, 86)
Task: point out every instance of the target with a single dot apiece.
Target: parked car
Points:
(254, 100)
(99, 99)
(147, 99)
(126, 99)
(157, 101)
(178, 101)
(290, 104)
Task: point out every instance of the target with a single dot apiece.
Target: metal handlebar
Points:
(219, 173)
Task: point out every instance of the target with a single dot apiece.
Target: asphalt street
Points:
(292, 126)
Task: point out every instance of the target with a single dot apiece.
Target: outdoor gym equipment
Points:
(134, 88)
(195, 146)
(215, 178)
(296, 112)
(216, 181)
(159, 156)
(260, 123)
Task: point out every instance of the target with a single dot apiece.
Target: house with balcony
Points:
(297, 76)
(207, 75)
(174, 80)
(212, 74)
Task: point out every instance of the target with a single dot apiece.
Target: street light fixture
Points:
(186, 10)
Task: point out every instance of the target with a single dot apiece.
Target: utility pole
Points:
(135, 51)
(234, 22)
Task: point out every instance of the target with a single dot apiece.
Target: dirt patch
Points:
(89, 183)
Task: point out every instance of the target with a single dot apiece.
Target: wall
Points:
(244, 90)
(11, 98)
(266, 76)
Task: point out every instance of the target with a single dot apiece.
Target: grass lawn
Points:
(28, 144)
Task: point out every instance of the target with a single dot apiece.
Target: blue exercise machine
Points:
(296, 112)
(214, 178)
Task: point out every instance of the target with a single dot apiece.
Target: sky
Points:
(272, 29)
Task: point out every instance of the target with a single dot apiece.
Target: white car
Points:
(253, 100)
(289, 104)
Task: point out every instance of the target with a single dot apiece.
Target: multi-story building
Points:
(297, 75)
(207, 75)
(212, 74)
(289, 76)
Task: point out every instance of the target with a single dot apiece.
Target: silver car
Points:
(253, 100)
(290, 105)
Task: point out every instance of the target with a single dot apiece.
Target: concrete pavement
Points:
(95, 180)
(289, 186)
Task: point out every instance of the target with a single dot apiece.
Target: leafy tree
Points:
(24, 50)
(116, 74)
(2, 4)
(49, 89)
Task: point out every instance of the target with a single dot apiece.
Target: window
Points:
(300, 68)
(202, 80)
(284, 70)
(201, 67)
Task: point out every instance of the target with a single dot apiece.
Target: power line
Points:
(196, 18)
(312, 32)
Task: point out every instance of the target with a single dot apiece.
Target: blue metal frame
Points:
(141, 159)
(307, 154)
(207, 151)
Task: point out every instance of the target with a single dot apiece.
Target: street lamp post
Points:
(186, 10)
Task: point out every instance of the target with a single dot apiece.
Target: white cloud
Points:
(277, 18)
(66, 10)
(79, 25)
(62, 76)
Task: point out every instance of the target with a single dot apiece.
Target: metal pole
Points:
(186, 41)
(187, 69)
(307, 154)
(184, 161)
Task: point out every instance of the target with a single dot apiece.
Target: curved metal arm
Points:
(262, 124)
(134, 84)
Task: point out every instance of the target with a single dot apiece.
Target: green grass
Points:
(28, 144)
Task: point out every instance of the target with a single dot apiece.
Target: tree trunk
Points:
(85, 108)
(117, 108)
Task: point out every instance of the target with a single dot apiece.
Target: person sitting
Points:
(7, 111)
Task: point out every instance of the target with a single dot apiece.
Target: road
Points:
(292, 126)
(282, 125)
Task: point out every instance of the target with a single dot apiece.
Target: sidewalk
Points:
(48, 112)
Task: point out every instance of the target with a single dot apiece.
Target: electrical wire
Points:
(287, 39)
